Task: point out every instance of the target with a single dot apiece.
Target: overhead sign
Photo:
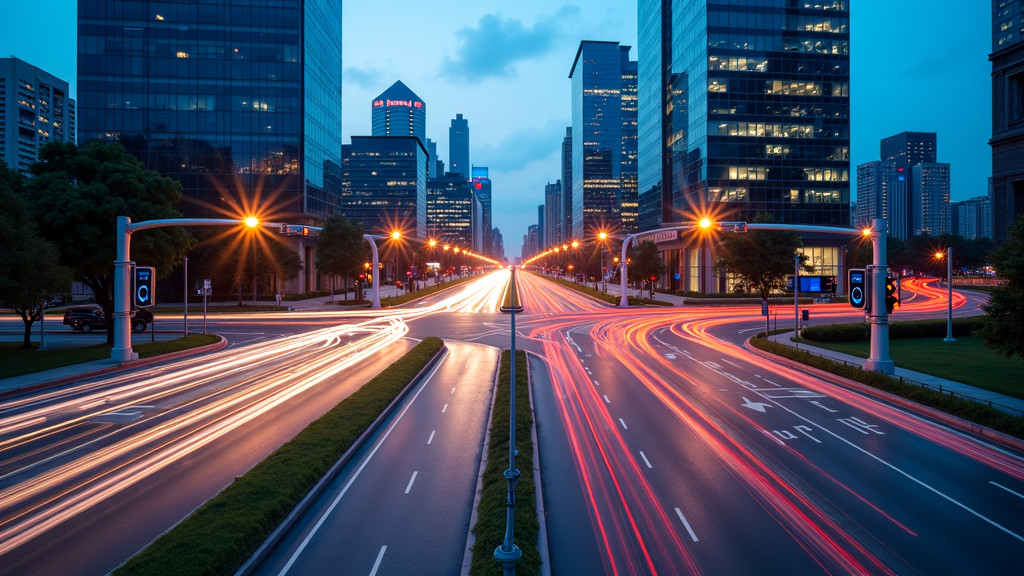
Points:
(657, 236)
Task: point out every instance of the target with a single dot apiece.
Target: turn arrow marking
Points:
(759, 406)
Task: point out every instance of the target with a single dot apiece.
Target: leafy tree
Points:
(1004, 330)
(762, 258)
(77, 195)
(340, 249)
(645, 261)
(30, 272)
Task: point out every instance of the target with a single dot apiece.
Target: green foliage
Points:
(491, 512)
(762, 258)
(645, 261)
(1004, 331)
(223, 533)
(860, 331)
(966, 409)
(341, 247)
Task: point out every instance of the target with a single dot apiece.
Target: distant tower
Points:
(567, 232)
(458, 146)
(398, 111)
(38, 111)
(482, 189)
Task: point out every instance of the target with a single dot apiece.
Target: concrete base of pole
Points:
(123, 354)
(883, 366)
(508, 559)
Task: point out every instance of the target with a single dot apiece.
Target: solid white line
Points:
(687, 524)
(431, 439)
(380, 556)
(727, 361)
(623, 422)
(646, 461)
(445, 409)
(337, 499)
(411, 480)
(453, 390)
(1005, 488)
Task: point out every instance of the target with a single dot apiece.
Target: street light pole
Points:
(949, 296)
(508, 553)
(375, 301)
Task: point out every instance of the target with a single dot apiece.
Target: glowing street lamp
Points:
(252, 221)
(949, 292)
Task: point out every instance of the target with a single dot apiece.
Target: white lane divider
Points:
(687, 525)
(411, 480)
(646, 461)
(380, 556)
(431, 439)
(623, 422)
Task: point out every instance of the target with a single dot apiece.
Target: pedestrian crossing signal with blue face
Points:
(858, 287)
(145, 286)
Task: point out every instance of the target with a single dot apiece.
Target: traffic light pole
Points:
(878, 359)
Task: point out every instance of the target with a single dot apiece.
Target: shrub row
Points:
(491, 512)
(948, 403)
(223, 533)
(861, 331)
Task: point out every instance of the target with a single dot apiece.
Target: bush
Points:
(861, 331)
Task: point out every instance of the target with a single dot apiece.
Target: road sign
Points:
(145, 286)
(732, 226)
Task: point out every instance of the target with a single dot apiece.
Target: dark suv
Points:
(85, 318)
(140, 319)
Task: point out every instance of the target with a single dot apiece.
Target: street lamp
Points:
(603, 236)
(949, 292)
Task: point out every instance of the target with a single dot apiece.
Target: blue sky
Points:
(505, 66)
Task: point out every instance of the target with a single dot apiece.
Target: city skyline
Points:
(506, 70)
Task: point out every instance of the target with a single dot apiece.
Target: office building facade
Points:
(384, 184)
(931, 198)
(743, 108)
(567, 233)
(451, 208)
(552, 214)
(972, 218)
(398, 111)
(239, 103)
(35, 109)
(603, 156)
(458, 146)
(482, 188)
(1007, 141)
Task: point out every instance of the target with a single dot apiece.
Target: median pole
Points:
(878, 360)
(508, 553)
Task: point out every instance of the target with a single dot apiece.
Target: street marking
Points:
(687, 524)
(806, 431)
(823, 407)
(431, 439)
(860, 425)
(380, 556)
(453, 390)
(607, 400)
(445, 409)
(587, 369)
(998, 485)
(772, 383)
(727, 361)
(596, 383)
(670, 356)
(646, 461)
(759, 406)
(411, 480)
(623, 422)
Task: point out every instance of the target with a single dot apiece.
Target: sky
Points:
(505, 65)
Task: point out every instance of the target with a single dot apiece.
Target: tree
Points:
(645, 261)
(75, 199)
(762, 258)
(1004, 330)
(30, 271)
(340, 249)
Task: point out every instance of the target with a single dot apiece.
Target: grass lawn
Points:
(966, 360)
(17, 361)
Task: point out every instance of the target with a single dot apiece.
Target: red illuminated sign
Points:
(478, 185)
(378, 103)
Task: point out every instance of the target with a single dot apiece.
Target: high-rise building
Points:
(450, 211)
(931, 198)
(458, 146)
(482, 188)
(601, 160)
(497, 245)
(743, 107)
(973, 218)
(34, 109)
(552, 214)
(904, 151)
(871, 181)
(385, 184)
(1007, 141)
(567, 232)
(241, 103)
(398, 111)
(628, 202)
(432, 160)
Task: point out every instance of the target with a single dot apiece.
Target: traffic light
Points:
(892, 297)
(145, 286)
(653, 278)
(858, 288)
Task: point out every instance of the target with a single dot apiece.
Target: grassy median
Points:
(223, 533)
(491, 512)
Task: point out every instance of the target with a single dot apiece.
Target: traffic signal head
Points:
(145, 286)
(892, 297)
(858, 287)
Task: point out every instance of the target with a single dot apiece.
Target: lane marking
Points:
(411, 480)
(687, 524)
(646, 461)
(431, 439)
(772, 383)
(727, 361)
(445, 409)
(453, 390)
(596, 383)
(998, 485)
(380, 556)
(623, 422)
(607, 400)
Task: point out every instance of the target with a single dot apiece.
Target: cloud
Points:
(521, 147)
(496, 44)
(366, 78)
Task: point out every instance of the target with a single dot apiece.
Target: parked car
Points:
(140, 319)
(85, 318)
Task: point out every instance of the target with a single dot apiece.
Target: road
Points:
(692, 455)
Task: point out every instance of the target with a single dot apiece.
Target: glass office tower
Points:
(385, 184)
(744, 108)
(241, 103)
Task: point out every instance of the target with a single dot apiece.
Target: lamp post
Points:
(603, 237)
(949, 292)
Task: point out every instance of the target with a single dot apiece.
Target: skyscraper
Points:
(552, 214)
(482, 189)
(567, 232)
(458, 146)
(450, 211)
(398, 111)
(931, 198)
(34, 109)
(743, 107)
(871, 189)
(1007, 141)
(385, 184)
(603, 156)
(241, 103)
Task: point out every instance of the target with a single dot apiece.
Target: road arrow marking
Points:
(759, 406)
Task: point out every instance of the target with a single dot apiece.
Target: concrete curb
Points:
(216, 346)
(1005, 440)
